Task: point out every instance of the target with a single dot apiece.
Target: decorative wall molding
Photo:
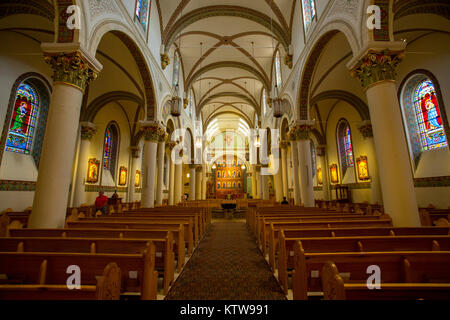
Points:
(96, 188)
(12, 185)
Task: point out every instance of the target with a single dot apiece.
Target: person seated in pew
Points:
(101, 203)
(284, 201)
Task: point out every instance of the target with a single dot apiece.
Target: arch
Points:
(132, 44)
(44, 91)
(41, 8)
(405, 8)
(284, 128)
(360, 106)
(224, 11)
(313, 56)
(216, 114)
(189, 144)
(208, 100)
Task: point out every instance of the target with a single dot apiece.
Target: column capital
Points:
(284, 144)
(135, 151)
(377, 66)
(88, 130)
(258, 167)
(198, 168)
(71, 65)
(365, 128)
(153, 131)
(171, 144)
(165, 60)
(321, 150)
(193, 166)
(301, 130)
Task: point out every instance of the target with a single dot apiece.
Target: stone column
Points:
(258, 182)
(294, 156)
(160, 176)
(284, 165)
(192, 180)
(135, 155)
(154, 134)
(72, 72)
(87, 132)
(376, 70)
(375, 189)
(198, 182)
(204, 181)
(303, 129)
(254, 185)
(178, 189)
(170, 145)
(265, 184)
(322, 161)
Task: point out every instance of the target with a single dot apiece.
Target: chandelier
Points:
(175, 108)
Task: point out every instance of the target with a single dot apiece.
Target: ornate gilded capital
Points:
(288, 60)
(185, 103)
(88, 130)
(321, 150)
(376, 67)
(71, 69)
(165, 60)
(366, 129)
(284, 144)
(193, 166)
(301, 130)
(153, 131)
(135, 152)
(170, 145)
(198, 168)
(258, 168)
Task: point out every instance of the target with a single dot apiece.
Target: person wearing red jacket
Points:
(101, 203)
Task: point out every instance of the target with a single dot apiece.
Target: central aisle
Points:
(226, 265)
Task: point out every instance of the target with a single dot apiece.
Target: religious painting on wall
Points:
(93, 167)
(137, 184)
(319, 176)
(363, 168)
(334, 173)
(123, 176)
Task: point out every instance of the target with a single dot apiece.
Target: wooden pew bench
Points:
(158, 225)
(334, 288)
(396, 267)
(50, 268)
(164, 255)
(107, 288)
(300, 234)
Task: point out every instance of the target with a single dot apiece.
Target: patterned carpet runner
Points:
(226, 265)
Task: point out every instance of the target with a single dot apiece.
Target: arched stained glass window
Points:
(313, 157)
(278, 83)
(24, 120)
(142, 12)
(264, 102)
(429, 121)
(176, 70)
(309, 13)
(110, 149)
(345, 146)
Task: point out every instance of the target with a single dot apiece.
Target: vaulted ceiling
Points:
(227, 49)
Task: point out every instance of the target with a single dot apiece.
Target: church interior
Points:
(225, 150)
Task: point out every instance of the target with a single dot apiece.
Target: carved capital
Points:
(88, 130)
(258, 168)
(170, 145)
(198, 168)
(71, 69)
(193, 166)
(321, 150)
(366, 129)
(376, 67)
(135, 152)
(284, 144)
(301, 130)
(185, 103)
(153, 131)
(165, 60)
(288, 60)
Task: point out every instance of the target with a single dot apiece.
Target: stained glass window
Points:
(313, 157)
(264, 102)
(176, 70)
(278, 70)
(142, 10)
(24, 120)
(107, 151)
(429, 121)
(348, 147)
(309, 12)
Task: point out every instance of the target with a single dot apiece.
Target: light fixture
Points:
(243, 167)
(198, 143)
(277, 105)
(257, 142)
(175, 109)
(188, 175)
(214, 167)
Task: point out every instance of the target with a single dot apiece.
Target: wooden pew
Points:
(147, 225)
(334, 288)
(401, 266)
(164, 255)
(345, 223)
(50, 268)
(429, 216)
(146, 235)
(107, 288)
(299, 234)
